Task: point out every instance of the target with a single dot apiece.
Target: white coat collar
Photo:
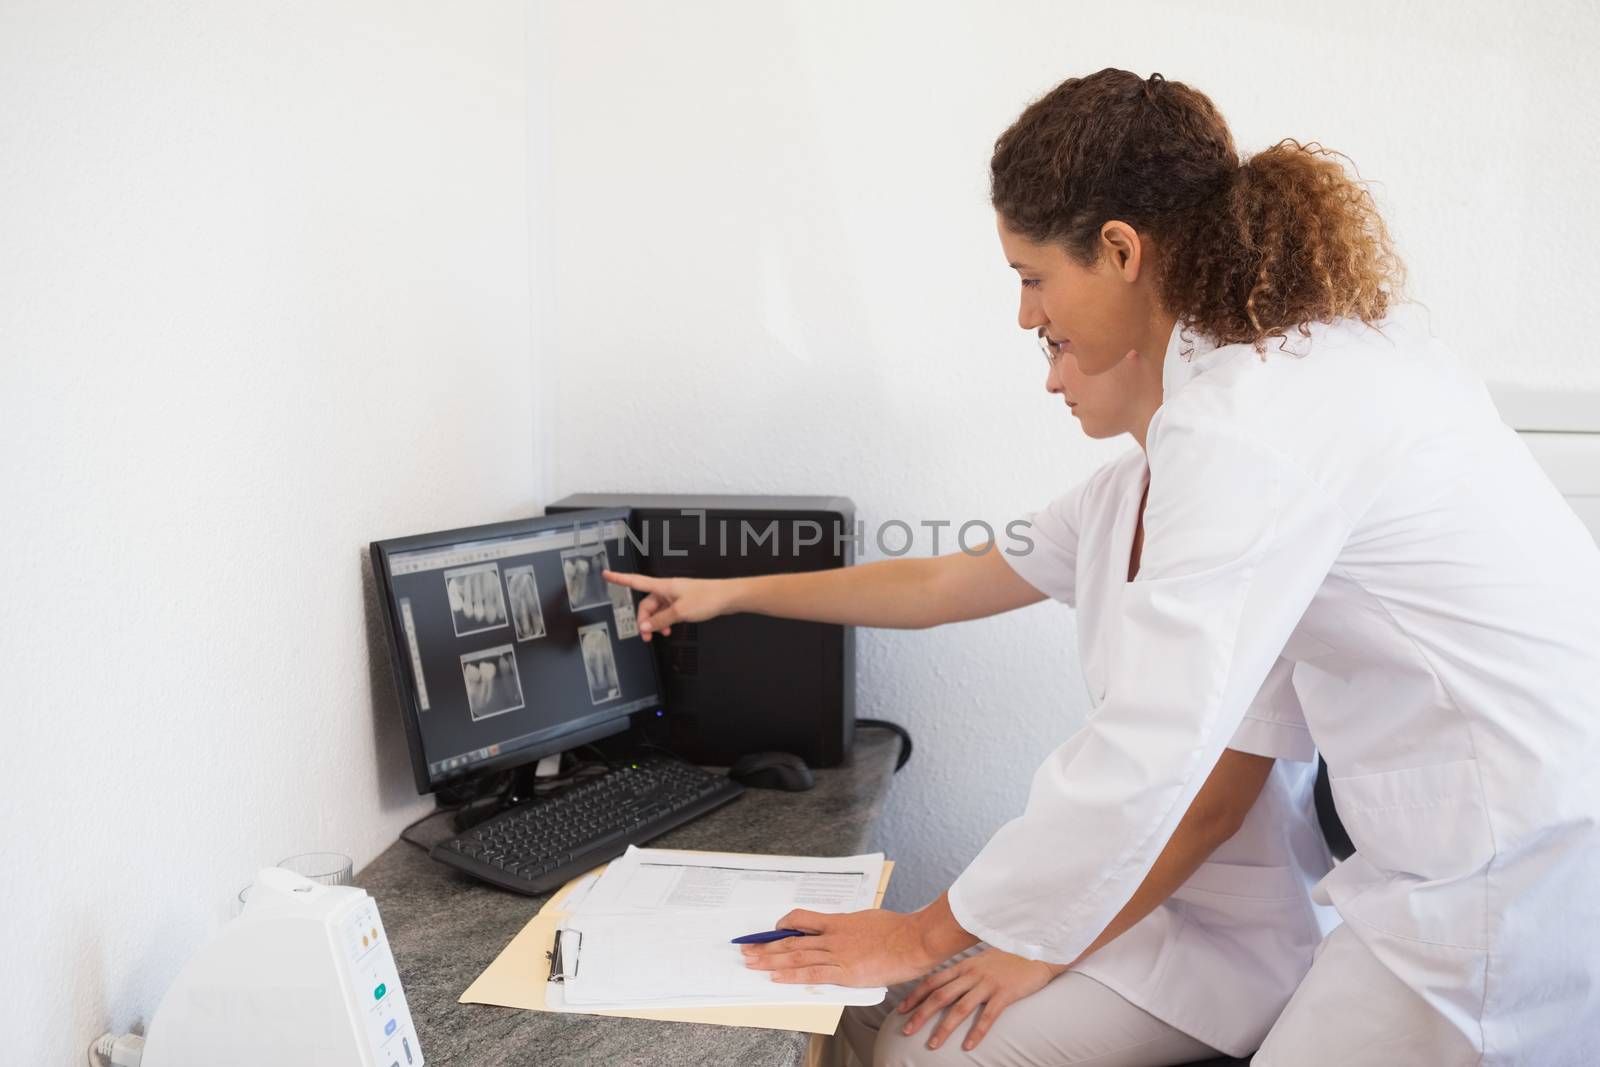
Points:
(1185, 348)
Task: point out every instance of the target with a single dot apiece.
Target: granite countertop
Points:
(445, 928)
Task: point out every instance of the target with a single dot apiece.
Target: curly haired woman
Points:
(1328, 489)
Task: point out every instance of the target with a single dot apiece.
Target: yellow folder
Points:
(518, 976)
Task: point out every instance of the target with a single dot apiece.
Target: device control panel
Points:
(376, 985)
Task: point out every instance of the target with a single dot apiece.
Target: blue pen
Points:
(768, 935)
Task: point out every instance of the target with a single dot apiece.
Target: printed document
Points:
(656, 929)
(655, 880)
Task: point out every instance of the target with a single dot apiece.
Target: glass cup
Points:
(324, 868)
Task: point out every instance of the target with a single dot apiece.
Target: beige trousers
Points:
(1379, 1018)
(1073, 1020)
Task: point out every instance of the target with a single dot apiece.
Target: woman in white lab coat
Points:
(1211, 967)
(1207, 970)
(1328, 486)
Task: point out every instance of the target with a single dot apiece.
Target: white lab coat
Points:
(1220, 958)
(1352, 503)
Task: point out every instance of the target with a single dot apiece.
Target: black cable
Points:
(897, 729)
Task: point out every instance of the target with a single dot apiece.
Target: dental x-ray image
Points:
(527, 615)
(582, 567)
(493, 684)
(476, 604)
(598, 662)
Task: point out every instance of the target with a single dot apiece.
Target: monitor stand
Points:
(518, 787)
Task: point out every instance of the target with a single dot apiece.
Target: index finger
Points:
(632, 581)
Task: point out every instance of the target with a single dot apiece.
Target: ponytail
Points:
(1296, 239)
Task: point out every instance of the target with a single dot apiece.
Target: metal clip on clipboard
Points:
(563, 956)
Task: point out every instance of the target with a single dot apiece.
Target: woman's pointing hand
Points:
(669, 601)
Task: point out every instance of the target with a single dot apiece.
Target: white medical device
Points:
(303, 976)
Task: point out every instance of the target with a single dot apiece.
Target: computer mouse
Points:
(772, 770)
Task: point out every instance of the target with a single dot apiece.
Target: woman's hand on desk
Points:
(861, 948)
(993, 979)
(674, 600)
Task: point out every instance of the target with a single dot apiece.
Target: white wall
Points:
(775, 271)
(264, 297)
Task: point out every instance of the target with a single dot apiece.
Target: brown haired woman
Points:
(1330, 488)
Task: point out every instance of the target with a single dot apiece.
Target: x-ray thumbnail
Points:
(527, 616)
(582, 567)
(476, 604)
(598, 662)
(493, 685)
(622, 612)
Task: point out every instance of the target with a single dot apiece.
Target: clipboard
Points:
(564, 955)
(519, 978)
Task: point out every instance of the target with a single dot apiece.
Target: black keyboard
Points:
(538, 846)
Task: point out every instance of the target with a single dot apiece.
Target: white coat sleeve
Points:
(1048, 559)
(1274, 725)
(1238, 538)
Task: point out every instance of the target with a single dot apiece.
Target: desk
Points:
(445, 928)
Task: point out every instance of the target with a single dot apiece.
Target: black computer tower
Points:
(747, 683)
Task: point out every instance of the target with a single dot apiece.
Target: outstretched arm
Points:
(904, 594)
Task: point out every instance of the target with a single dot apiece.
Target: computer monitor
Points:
(508, 645)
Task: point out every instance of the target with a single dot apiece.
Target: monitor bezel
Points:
(405, 687)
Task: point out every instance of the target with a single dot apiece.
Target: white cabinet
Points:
(1562, 429)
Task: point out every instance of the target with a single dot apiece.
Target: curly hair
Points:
(1244, 251)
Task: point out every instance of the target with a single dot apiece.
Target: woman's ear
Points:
(1122, 249)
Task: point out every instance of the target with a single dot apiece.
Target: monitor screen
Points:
(507, 643)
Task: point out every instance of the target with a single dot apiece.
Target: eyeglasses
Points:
(1050, 350)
